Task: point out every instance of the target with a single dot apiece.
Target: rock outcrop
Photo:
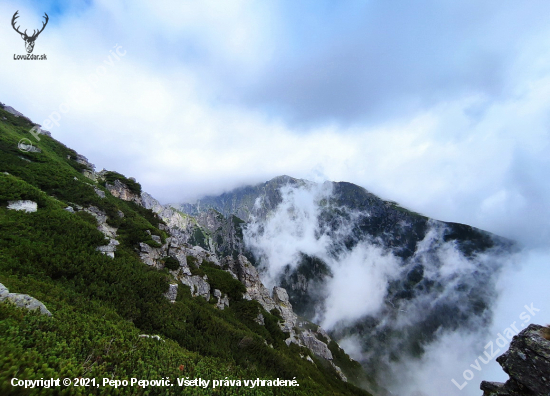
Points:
(179, 224)
(317, 346)
(16, 113)
(199, 285)
(110, 232)
(278, 300)
(222, 239)
(24, 206)
(28, 148)
(527, 362)
(280, 296)
(249, 277)
(121, 190)
(172, 292)
(223, 301)
(23, 301)
(110, 248)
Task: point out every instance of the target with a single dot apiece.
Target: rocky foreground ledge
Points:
(527, 362)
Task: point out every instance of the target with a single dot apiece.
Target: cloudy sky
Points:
(440, 105)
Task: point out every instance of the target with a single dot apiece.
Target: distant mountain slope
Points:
(240, 201)
(378, 275)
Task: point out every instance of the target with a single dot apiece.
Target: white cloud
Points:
(359, 285)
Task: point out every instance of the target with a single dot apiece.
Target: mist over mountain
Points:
(388, 283)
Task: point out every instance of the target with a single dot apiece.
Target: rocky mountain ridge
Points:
(178, 246)
(426, 292)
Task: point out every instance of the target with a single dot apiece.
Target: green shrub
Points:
(171, 263)
(223, 281)
(132, 185)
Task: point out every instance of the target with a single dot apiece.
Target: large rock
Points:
(28, 148)
(150, 255)
(121, 190)
(527, 362)
(198, 285)
(223, 301)
(3, 292)
(25, 206)
(110, 248)
(100, 193)
(23, 301)
(249, 277)
(316, 346)
(179, 224)
(280, 296)
(172, 292)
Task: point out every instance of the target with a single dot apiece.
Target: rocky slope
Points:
(112, 264)
(223, 238)
(527, 362)
(431, 275)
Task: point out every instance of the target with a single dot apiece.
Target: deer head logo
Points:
(29, 40)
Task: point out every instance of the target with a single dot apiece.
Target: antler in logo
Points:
(29, 40)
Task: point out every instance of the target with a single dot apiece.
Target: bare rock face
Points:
(109, 232)
(109, 249)
(223, 301)
(339, 372)
(249, 277)
(84, 161)
(150, 255)
(179, 225)
(179, 252)
(316, 346)
(199, 285)
(172, 293)
(121, 190)
(255, 290)
(244, 271)
(527, 362)
(280, 296)
(23, 301)
(24, 206)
